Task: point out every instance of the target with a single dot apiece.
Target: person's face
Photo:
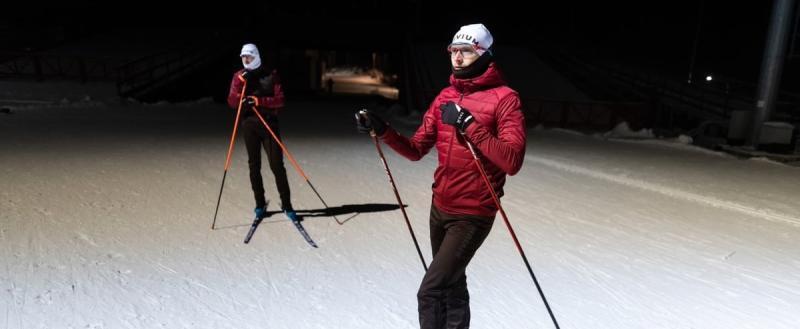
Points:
(462, 56)
(247, 59)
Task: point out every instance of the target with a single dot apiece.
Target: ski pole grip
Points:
(362, 115)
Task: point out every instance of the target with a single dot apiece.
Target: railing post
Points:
(564, 114)
(82, 70)
(37, 66)
(539, 115)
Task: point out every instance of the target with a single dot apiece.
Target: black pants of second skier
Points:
(443, 299)
(256, 136)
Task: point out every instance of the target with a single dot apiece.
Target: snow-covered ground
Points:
(105, 215)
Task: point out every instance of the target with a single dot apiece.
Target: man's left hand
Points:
(456, 116)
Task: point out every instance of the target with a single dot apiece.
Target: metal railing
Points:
(584, 115)
(40, 66)
(714, 99)
(153, 71)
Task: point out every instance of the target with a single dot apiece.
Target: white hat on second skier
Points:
(474, 34)
(251, 50)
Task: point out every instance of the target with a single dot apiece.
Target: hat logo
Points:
(465, 37)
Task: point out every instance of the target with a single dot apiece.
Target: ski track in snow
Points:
(671, 192)
(124, 242)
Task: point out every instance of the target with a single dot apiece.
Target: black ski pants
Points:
(443, 299)
(256, 136)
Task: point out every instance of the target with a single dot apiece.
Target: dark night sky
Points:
(654, 34)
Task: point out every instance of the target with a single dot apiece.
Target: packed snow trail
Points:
(104, 216)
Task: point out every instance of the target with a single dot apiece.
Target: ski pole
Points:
(230, 151)
(374, 136)
(294, 162)
(510, 229)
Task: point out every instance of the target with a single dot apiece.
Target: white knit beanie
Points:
(476, 35)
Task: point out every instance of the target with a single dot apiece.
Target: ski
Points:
(253, 227)
(296, 221)
(303, 232)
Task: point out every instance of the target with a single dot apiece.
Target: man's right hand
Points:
(250, 101)
(367, 121)
(243, 76)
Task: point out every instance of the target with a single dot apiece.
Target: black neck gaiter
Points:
(475, 69)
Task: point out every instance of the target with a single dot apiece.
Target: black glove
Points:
(243, 75)
(367, 121)
(250, 101)
(252, 78)
(456, 116)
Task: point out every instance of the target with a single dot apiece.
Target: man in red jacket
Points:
(265, 95)
(477, 107)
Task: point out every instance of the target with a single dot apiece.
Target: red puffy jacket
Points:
(498, 133)
(264, 102)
